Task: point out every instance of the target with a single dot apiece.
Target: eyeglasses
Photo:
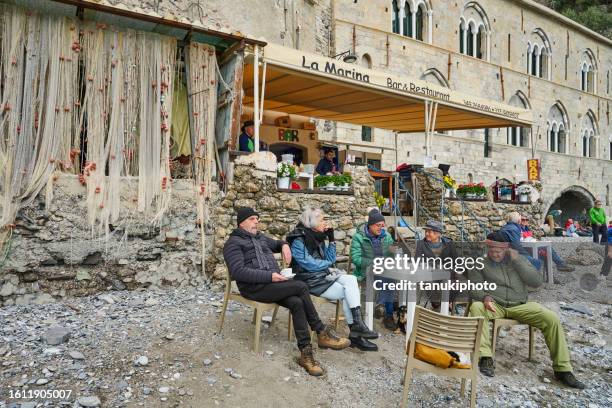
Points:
(380, 225)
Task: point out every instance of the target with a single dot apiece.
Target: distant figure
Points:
(571, 229)
(598, 223)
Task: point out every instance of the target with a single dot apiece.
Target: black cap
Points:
(497, 237)
(242, 213)
(374, 217)
(247, 124)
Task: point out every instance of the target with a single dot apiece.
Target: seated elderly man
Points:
(372, 241)
(313, 261)
(512, 273)
(512, 232)
(434, 245)
(526, 232)
(250, 260)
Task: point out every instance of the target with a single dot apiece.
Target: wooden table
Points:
(534, 246)
(408, 296)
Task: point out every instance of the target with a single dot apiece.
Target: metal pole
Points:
(256, 97)
(263, 91)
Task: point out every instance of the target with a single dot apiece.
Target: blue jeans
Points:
(345, 288)
(537, 263)
(386, 297)
(555, 257)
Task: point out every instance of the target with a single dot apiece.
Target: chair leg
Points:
(225, 302)
(290, 327)
(407, 380)
(258, 314)
(338, 307)
(473, 393)
(463, 381)
(274, 315)
(494, 338)
(531, 342)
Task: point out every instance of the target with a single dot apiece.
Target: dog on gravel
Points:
(401, 320)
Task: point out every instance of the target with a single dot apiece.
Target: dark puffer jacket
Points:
(241, 259)
(423, 249)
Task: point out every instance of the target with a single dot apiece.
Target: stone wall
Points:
(254, 185)
(477, 215)
(53, 251)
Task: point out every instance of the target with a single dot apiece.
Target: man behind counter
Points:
(326, 164)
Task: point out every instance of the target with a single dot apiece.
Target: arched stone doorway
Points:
(574, 201)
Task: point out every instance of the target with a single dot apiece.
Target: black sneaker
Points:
(390, 323)
(568, 378)
(486, 366)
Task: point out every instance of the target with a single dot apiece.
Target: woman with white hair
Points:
(311, 261)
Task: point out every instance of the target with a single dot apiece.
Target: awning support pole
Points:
(256, 97)
(263, 91)
(431, 112)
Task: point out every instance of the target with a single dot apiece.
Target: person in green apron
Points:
(245, 141)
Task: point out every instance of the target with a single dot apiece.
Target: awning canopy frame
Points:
(311, 85)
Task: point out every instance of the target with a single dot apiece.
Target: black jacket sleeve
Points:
(275, 245)
(234, 259)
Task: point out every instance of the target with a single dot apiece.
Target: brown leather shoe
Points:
(307, 361)
(329, 339)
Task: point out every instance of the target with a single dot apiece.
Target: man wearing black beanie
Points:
(250, 261)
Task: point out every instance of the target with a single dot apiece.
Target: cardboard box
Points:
(283, 121)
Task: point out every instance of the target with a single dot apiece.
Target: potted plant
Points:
(348, 180)
(380, 200)
(449, 185)
(465, 190)
(472, 190)
(505, 193)
(523, 191)
(284, 173)
(321, 181)
(480, 190)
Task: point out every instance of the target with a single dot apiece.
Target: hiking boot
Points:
(379, 311)
(390, 323)
(486, 366)
(568, 378)
(359, 328)
(565, 268)
(329, 339)
(307, 361)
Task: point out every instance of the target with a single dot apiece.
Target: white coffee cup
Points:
(287, 273)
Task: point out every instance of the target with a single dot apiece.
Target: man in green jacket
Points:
(372, 241)
(512, 273)
(598, 223)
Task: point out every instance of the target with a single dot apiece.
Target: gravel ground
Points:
(159, 349)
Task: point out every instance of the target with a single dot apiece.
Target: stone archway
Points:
(572, 200)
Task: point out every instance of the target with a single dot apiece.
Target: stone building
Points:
(513, 52)
(518, 52)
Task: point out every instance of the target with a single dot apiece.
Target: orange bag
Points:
(437, 357)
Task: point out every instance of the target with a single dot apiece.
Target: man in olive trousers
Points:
(512, 273)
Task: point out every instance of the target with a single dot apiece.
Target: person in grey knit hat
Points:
(434, 245)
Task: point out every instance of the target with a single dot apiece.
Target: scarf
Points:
(313, 240)
(262, 260)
